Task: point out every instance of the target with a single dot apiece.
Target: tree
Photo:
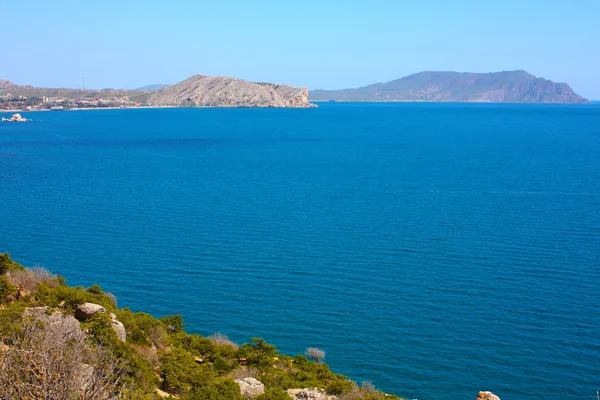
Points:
(315, 354)
(50, 358)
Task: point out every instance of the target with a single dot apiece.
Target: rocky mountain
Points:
(499, 87)
(220, 91)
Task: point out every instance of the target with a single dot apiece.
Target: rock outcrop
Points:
(309, 394)
(15, 118)
(87, 310)
(250, 387)
(56, 323)
(487, 396)
(442, 86)
(221, 91)
(118, 327)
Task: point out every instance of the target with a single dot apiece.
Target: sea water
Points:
(433, 249)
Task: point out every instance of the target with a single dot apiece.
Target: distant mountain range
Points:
(222, 91)
(152, 88)
(501, 87)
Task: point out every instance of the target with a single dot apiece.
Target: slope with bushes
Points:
(46, 353)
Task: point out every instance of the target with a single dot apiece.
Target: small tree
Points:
(316, 354)
(28, 279)
(54, 360)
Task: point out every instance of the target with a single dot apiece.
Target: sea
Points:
(435, 250)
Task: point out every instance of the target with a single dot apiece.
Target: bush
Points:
(273, 394)
(222, 340)
(220, 389)
(258, 353)
(68, 297)
(7, 290)
(7, 265)
(173, 323)
(315, 354)
(29, 279)
(180, 373)
(55, 361)
(94, 289)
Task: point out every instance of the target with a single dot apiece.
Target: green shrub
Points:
(173, 323)
(6, 264)
(72, 297)
(94, 289)
(220, 389)
(7, 290)
(139, 327)
(273, 394)
(258, 353)
(180, 373)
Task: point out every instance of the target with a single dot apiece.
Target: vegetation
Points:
(53, 356)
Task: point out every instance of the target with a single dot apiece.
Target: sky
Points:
(325, 44)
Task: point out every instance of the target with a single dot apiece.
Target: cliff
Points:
(497, 87)
(220, 91)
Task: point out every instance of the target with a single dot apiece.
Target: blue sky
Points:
(320, 44)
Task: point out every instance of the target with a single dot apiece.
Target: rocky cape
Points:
(494, 87)
(221, 91)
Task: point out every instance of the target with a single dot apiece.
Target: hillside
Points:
(501, 87)
(220, 91)
(6, 84)
(31, 91)
(59, 342)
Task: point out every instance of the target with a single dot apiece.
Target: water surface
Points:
(433, 249)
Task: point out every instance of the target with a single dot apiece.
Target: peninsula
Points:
(494, 87)
(221, 91)
(197, 91)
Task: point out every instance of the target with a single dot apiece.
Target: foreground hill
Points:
(59, 342)
(221, 91)
(501, 87)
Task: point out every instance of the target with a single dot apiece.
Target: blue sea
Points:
(435, 250)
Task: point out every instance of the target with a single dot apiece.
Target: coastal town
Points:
(13, 102)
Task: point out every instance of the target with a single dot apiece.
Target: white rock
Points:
(250, 387)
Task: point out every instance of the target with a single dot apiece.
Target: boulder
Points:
(87, 310)
(56, 323)
(487, 396)
(119, 328)
(250, 387)
(309, 394)
(162, 394)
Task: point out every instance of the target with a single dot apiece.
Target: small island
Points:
(15, 118)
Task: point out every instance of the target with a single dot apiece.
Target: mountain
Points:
(498, 87)
(221, 91)
(152, 88)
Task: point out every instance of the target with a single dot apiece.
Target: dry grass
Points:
(29, 279)
(243, 373)
(220, 339)
(150, 353)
